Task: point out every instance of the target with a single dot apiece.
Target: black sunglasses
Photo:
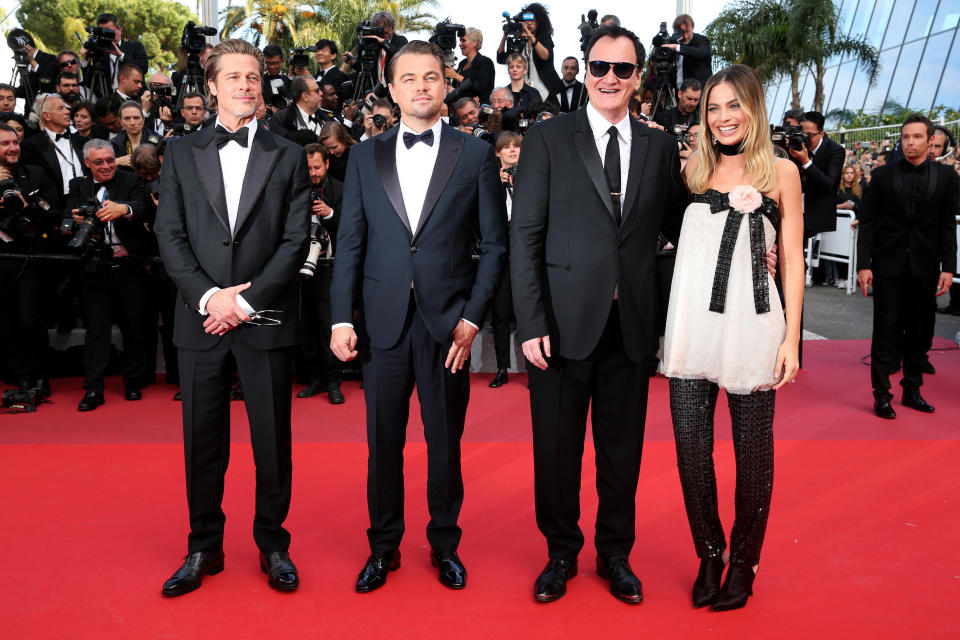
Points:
(623, 70)
(67, 63)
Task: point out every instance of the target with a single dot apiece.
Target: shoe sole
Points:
(211, 571)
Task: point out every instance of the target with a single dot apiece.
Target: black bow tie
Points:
(221, 136)
(315, 117)
(61, 136)
(410, 139)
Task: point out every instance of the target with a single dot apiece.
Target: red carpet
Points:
(862, 537)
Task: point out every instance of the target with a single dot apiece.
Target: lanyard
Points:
(68, 159)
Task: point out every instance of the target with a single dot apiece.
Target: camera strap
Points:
(69, 159)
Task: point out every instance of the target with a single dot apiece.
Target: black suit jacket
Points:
(481, 75)
(696, 58)
(29, 179)
(545, 68)
(376, 245)
(134, 53)
(125, 188)
(333, 196)
(891, 238)
(268, 244)
(38, 150)
(567, 253)
(290, 119)
(560, 98)
(332, 76)
(821, 180)
(120, 141)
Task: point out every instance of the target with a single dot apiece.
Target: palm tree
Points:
(786, 38)
(411, 15)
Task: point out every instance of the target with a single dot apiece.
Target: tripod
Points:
(664, 97)
(21, 75)
(192, 78)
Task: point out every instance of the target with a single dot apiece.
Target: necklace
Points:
(730, 149)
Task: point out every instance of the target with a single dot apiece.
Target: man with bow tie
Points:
(413, 199)
(232, 226)
(304, 109)
(57, 151)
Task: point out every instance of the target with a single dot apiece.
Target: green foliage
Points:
(893, 114)
(157, 23)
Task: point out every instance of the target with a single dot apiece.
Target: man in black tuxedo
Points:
(275, 83)
(388, 47)
(115, 274)
(122, 52)
(574, 94)
(693, 52)
(232, 226)
(327, 72)
(594, 191)
(304, 109)
(907, 249)
(414, 199)
(821, 166)
(322, 369)
(57, 151)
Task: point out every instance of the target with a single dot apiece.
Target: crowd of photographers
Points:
(79, 169)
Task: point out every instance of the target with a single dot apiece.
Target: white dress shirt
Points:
(813, 153)
(233, 166)
(414, 169)
(568, 89)
(70, 165)
(312, 125)
(600, 126)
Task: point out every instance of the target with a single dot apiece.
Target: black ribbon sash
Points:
(758, 251)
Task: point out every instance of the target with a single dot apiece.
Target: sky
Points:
(643, 18)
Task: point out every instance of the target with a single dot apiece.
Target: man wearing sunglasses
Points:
(596, 190)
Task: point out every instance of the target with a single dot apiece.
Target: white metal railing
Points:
(837, 246)
(850, 138)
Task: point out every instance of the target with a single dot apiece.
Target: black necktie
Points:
(221, 136)
(410, 139)
(611, 167)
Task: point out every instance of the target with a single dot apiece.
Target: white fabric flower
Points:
(745, 198)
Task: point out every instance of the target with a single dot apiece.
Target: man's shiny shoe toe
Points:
(914, 400)
(883, 409)
(132, 394)
(281, 570)
(624, 584)
(310, 390)
(451, 570)
(190, 574)
(334, 394)
(500, 379)
(552, 582)
(91, 400)
(374, 573)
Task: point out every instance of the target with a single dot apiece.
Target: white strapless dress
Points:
(736, 348)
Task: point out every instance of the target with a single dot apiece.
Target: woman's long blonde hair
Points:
(757, 149)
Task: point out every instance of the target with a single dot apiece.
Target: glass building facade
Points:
(919, 60)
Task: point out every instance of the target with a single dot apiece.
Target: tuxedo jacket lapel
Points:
(206, 159)
(263, 155)
(385, 154)
(587, 148)
(638, 160)
(447, 156)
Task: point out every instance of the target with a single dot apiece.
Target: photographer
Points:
(275, 84)
(111, 207)
(328, 73)
(68, 87)
(501, 99)
(107, 114)
(120, 51)
(820, 160)
(476, 68)
(693, 52)
(158, 108)
(336, 139)
(193, 111)
(536, 30)
(574, 94)
(321, 369)
(792, 118)
(687, 110)
(303, 112)
(692, 140)
(23, 220)
(56, 151)
(468, 114)
(379, 120)
(129, 82)
(524, 95)
(8, 98)
(389, 44)
(133, 135)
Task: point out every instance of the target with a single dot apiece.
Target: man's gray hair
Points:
(93, 144)
(610, 20)
(43, 104)
(507, 94)
(384, 18)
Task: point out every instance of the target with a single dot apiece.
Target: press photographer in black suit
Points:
(415, 198)
(907, 250)
(115, 276)
(304, 109)
(594, 191)
(57, 151)
(23, 333)
(821, 167)
(475, 67)
(693, 52)
(232, 226)
(574, 94)
(323, 370)
(389, 45)
(327, 71)
(122, 51)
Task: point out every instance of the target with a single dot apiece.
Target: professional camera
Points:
(484, 113)
(18, 40)
(446, 35)
(83, 233)
(319, 240)
(194, 40)
(587, 24)
(680, 133)
(379, 120)
(789, 137)
(299, 58)
(364, 32)
(513, 29)
(483, 133)
(18, 401)
(100, 39)
(15, 219)
(379, 91)
(665, 59)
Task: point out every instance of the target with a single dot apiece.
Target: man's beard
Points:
(242, 112)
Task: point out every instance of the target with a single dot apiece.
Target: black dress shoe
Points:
(91, 400)
(452, 572)
(913, 399)
(334, 393)
(928, 368)
(178, 396)
(189, 575)
(882, 409)
(552, 582)
(281, 570)
(310, 390)
(132, 393)
(624, 585)
(500, 379)
(707, 586)
(736, 588)
(374, 573)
